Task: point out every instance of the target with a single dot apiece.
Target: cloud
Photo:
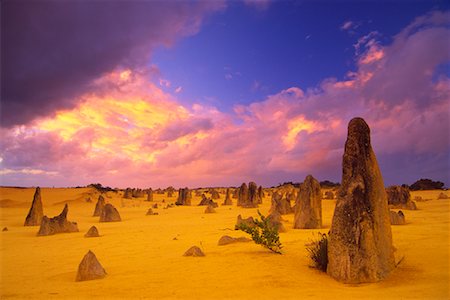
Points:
(178, 90)
(347, 25)
(75, 42)
(131, 132)
(258, 4)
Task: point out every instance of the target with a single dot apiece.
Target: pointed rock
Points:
(242, 194)
(227, 200)
(58, 224)
(90, 268)
(99, 206)
(110, 214)
(442, 196)
(92, 232)
(210, 210)
(194, 251)
(360, 241)
(5, 229)
(275, 220)
(280, 204)
(308, 208)
(36, 212)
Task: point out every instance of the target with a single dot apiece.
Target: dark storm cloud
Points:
(52, 50)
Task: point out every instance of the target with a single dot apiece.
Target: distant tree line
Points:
(426, 184)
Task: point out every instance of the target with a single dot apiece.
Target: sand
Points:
(144, 260)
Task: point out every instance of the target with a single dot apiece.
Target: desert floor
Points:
(143, 255)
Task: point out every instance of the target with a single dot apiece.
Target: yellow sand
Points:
(143, 260)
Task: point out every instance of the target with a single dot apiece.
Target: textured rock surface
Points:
(399, 197)
(36, 212)
(249, 221)
(308, 207)
(210, 210)
(280, 204)
(228, 200)
(253, 197)
(92, 232)
(242, 194)
(397, 218)
(90, 268)
(275, 220)
(58, 224)
(184, 197)
(329, 195)
(360, 242)
(442, 196)
(110, 214)
(226, 240)
(99, 206)
(194, 251)
(150, 195)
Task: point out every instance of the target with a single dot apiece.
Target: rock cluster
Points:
(210, 210)
(248, 196)
(399, 197)
(360, 241)
(280, 204)
(58, 224)
(36, 212)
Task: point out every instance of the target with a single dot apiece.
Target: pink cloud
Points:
(134, 134)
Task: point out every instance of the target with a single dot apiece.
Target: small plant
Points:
(263, 233)
(318, 251)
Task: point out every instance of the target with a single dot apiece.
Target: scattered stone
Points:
(36, 212)
(184, 197)
(249, 222)
(226, 240)
(194, 251)
(397, 218)
(399, 197)
(155, 205)
(418, 198)
(360, 241)
(150, 195)
(207, 202)
(227, 200)
(58, 224)
(5, 229)
(329, 195)
(90, 268)
(99, 206)
(88, 200)
(210, 210)
(92, 232)
(308, 208)
(109, 214)
(442, 196)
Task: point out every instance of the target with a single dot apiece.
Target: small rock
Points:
(92, 232)
(90, 268)
(194, 251)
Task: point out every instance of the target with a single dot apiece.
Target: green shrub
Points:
(318, 251)
(263, 233)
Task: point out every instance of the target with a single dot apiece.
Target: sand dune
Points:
(143, 255)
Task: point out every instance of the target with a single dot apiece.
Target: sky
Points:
(216, 93)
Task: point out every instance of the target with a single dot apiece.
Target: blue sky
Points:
(243, 54)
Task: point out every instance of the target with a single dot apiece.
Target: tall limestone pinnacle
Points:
(360, 243)
(36, 212)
